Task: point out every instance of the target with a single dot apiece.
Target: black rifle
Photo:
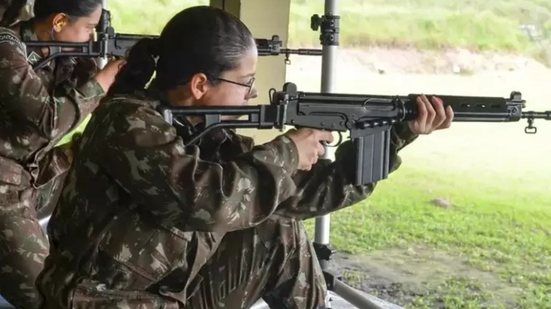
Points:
(111, 44)
(368, 118)
(273, 47)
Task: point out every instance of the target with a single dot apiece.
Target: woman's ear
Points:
(59, 21)
(199, 85)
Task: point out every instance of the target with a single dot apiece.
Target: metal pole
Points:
(328, 75)
(329, 57)
(330, 41)
(356, 298)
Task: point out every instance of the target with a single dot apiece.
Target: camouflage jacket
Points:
(14, 11)
(38, 108)
(143, 211)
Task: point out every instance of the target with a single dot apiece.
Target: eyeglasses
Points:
(249, 84)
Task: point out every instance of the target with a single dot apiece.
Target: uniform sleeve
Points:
(329, 185)
(173, 184)
(24, 96)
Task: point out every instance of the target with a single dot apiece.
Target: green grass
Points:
(494, 230)
(146, 17)
(455, 293)
(400, 211)
(432, 24)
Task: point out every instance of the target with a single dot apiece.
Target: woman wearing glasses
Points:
(148, 221)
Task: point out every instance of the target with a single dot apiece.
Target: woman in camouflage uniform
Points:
(38, 107)
(147, 220)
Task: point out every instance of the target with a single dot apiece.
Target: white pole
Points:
(328, 77)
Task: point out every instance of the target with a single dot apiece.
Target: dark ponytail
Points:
(73, 8)
(139, 68)
(199, 39)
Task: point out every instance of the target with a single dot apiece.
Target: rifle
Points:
(368, 119)
(111, 44)
(273, 47)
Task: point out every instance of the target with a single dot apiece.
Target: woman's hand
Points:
(431, 116)
(309, 145)
(106, 76)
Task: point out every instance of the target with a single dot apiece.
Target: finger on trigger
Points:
(327, 136)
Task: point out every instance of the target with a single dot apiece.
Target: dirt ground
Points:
(412, 61)
(401, 275)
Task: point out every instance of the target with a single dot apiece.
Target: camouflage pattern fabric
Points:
(36, 110)
(146, 221)
(14, 11)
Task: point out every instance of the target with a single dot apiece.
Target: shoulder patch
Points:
(8, 36)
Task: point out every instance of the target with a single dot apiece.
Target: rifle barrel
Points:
(537, 115)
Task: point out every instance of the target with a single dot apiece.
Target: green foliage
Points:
(494, 230)
(432, 24)
(146, 17)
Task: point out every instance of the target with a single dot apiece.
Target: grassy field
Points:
(492, 230)
(146, 17)
(434, 24)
